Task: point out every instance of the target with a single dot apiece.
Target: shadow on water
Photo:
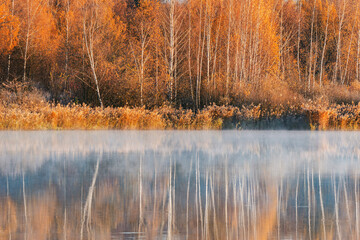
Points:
(179, 185)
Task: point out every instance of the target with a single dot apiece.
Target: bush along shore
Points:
(31, 112)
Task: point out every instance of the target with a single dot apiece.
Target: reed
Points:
(34, 113)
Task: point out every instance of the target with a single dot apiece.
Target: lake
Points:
(179, 185)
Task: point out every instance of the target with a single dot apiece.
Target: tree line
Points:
(189, 53)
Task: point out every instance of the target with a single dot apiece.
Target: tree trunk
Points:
(343, 78)
(198, 77)
(11, 41)
(338, 49)
(208, 49)
(324, 48)
(88, 37)
(172, 48)
(298, 42)
(357, 57)
(311, 46)
(67, 42)
(189, 53)
(26, 40)
(228, 52)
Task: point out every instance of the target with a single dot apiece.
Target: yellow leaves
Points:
(9, 28)
(100, 14)
(38, 26)
(46, 38)
(146, 8)
(268, 33)
(115, 26)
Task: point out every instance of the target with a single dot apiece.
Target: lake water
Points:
(179, 185)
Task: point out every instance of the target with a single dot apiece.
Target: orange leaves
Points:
(46, 34)
(99, 18)
(268, 34)
(9, 28)
(38, 26)
(115, 26)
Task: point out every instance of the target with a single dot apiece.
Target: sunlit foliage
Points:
(182, 53)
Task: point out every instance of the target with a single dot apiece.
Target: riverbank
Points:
(30, 115)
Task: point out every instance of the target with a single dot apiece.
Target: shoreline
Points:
(309, 116)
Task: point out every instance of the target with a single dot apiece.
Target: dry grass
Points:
(333, 116)
(31, 111)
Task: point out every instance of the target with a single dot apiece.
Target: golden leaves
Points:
(9, 28)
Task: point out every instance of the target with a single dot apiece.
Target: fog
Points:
(282, 151)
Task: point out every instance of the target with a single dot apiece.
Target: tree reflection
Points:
(188, 194)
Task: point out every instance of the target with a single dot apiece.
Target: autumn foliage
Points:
(190, 54)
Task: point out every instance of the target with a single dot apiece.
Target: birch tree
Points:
(175, 39)
(9, 26)
(100, 29)
(143, 35)
(341, 18)
(91, 27)
(39, 33)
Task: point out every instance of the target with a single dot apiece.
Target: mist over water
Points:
(179, 185)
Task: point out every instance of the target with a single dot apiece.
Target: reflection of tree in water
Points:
(224, 203)
(256, 191)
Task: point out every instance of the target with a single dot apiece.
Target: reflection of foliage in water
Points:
(256, 188)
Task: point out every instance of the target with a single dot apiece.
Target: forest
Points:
(188, 54)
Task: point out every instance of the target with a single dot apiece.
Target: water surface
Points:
(179, 185)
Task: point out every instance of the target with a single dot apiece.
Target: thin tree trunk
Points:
(198, 77)
(88, 38)
(189, 53)
(67, 41)
(142, 64)
(157, 73)
(338, 49)
(343, 78)
(311, 46)
(358, 56)
(324, 48)
(228, 51)
(215, 57)
(281, 53)
(172, 47)
(26, 40)
(11, 41)
(208, 47)
(201, 66)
